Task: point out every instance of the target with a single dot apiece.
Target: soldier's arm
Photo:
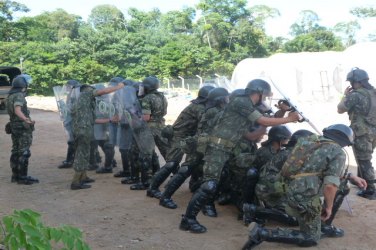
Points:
(329, 192)
(270, 121)
(109, 89)
(21, 115)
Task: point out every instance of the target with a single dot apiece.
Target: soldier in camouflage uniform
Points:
(237, 117)
(217, 100)
(184, 126)
(314, 166)
(360, 103)
(83, 117)
(21, 128)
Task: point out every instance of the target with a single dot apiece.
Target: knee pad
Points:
(210, 187)
(185, 171)
(252, 174)
(171, 165)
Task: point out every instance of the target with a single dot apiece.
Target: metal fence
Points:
(193, 84)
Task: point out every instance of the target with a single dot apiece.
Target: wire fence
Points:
(194, 84)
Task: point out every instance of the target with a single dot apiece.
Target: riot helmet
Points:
(297, 135)
(357, 75)
(340, 133)
(150, 83)
(115, 81)
(73, 83)
(21, 81)
(217, 94)
(277, 134)
(258, 86)
(204, 91)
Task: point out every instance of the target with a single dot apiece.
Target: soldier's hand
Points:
(283, 105)
(360, 182)
(294, 116)
(348, 90)
(115, 119)
(29, 121)
(326, 213)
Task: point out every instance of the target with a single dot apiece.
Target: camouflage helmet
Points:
(357, 75)
(297, 135)
(204, 91)
(21, 81)
(340, 133)
(258, 86)
(150, 83)
(217, 94)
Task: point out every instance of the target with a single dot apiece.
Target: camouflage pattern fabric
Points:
(263, 155)
(358, 106)
(83, 118)
(233, 123)
(22, 132)
(304, 184)
(155, 105)
(267, 189)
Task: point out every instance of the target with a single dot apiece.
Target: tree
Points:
(307, 22)
(363, 12)
(315, 41)
(260, 13)
(347, 30)
(106, 16)
(7, 9)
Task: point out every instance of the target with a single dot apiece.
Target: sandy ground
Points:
(114, 217)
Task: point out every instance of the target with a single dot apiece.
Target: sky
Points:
(329, 11)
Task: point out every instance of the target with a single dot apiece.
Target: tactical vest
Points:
(302, 150)
(370, 117)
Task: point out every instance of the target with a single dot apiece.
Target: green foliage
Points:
(24, 230)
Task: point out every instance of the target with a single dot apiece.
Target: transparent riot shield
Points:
(103, 111)
(130, 112)
(63, 95)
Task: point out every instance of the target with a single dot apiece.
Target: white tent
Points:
(307, 75)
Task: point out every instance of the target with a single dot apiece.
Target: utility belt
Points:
(296, 176)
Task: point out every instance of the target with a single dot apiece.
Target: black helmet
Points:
(204, 91)
(297, 135)
(258, 86)
(217, 94)
(73, 83)
(340, 133)
(277, 134)
(150, 83)
(116, 80)
(357, 75)
(21, 81)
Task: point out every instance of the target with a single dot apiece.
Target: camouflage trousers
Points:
(174, 153)
(160, 141)
(363, 149)
(215, 160)
(82, 141)
(22, 139)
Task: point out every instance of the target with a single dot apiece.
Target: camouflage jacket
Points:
(235, 120)
(186, 123)
(322, 166)
(263, 155)
(155, 105)
(83, 110)
(208, 120)
(358, 105)
(17, 99)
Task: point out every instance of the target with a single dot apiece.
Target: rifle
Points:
(288, 101)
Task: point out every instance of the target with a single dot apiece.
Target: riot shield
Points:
(102, 114)
(130, 112)
(64, 103)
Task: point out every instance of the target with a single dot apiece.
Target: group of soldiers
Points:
(219, 134)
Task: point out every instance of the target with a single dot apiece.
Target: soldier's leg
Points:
(23, 160)
(191, 162)
(215, 159)
(68, 162)
(134, 166)
(174, 157)
(260, 215)
(126, 163)
(93, 148)
(109, 153)
(363, 149)
(155, 163)
(14, 166)
(81, 161)
(145, 166)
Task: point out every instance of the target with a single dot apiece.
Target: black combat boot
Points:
(68, 163)
(331, 231)
(23, 178)
(144, 184)
(368, 193)
(175, 182)
(261, 214)
(77, 182)
(126, 162)
(159, 178)
(209, 209)
(23, 165)
(201, 197)
(14, 166)
(15, 175)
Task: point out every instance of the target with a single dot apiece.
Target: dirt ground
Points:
(114, 217)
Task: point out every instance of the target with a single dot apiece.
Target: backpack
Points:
(370, 117)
